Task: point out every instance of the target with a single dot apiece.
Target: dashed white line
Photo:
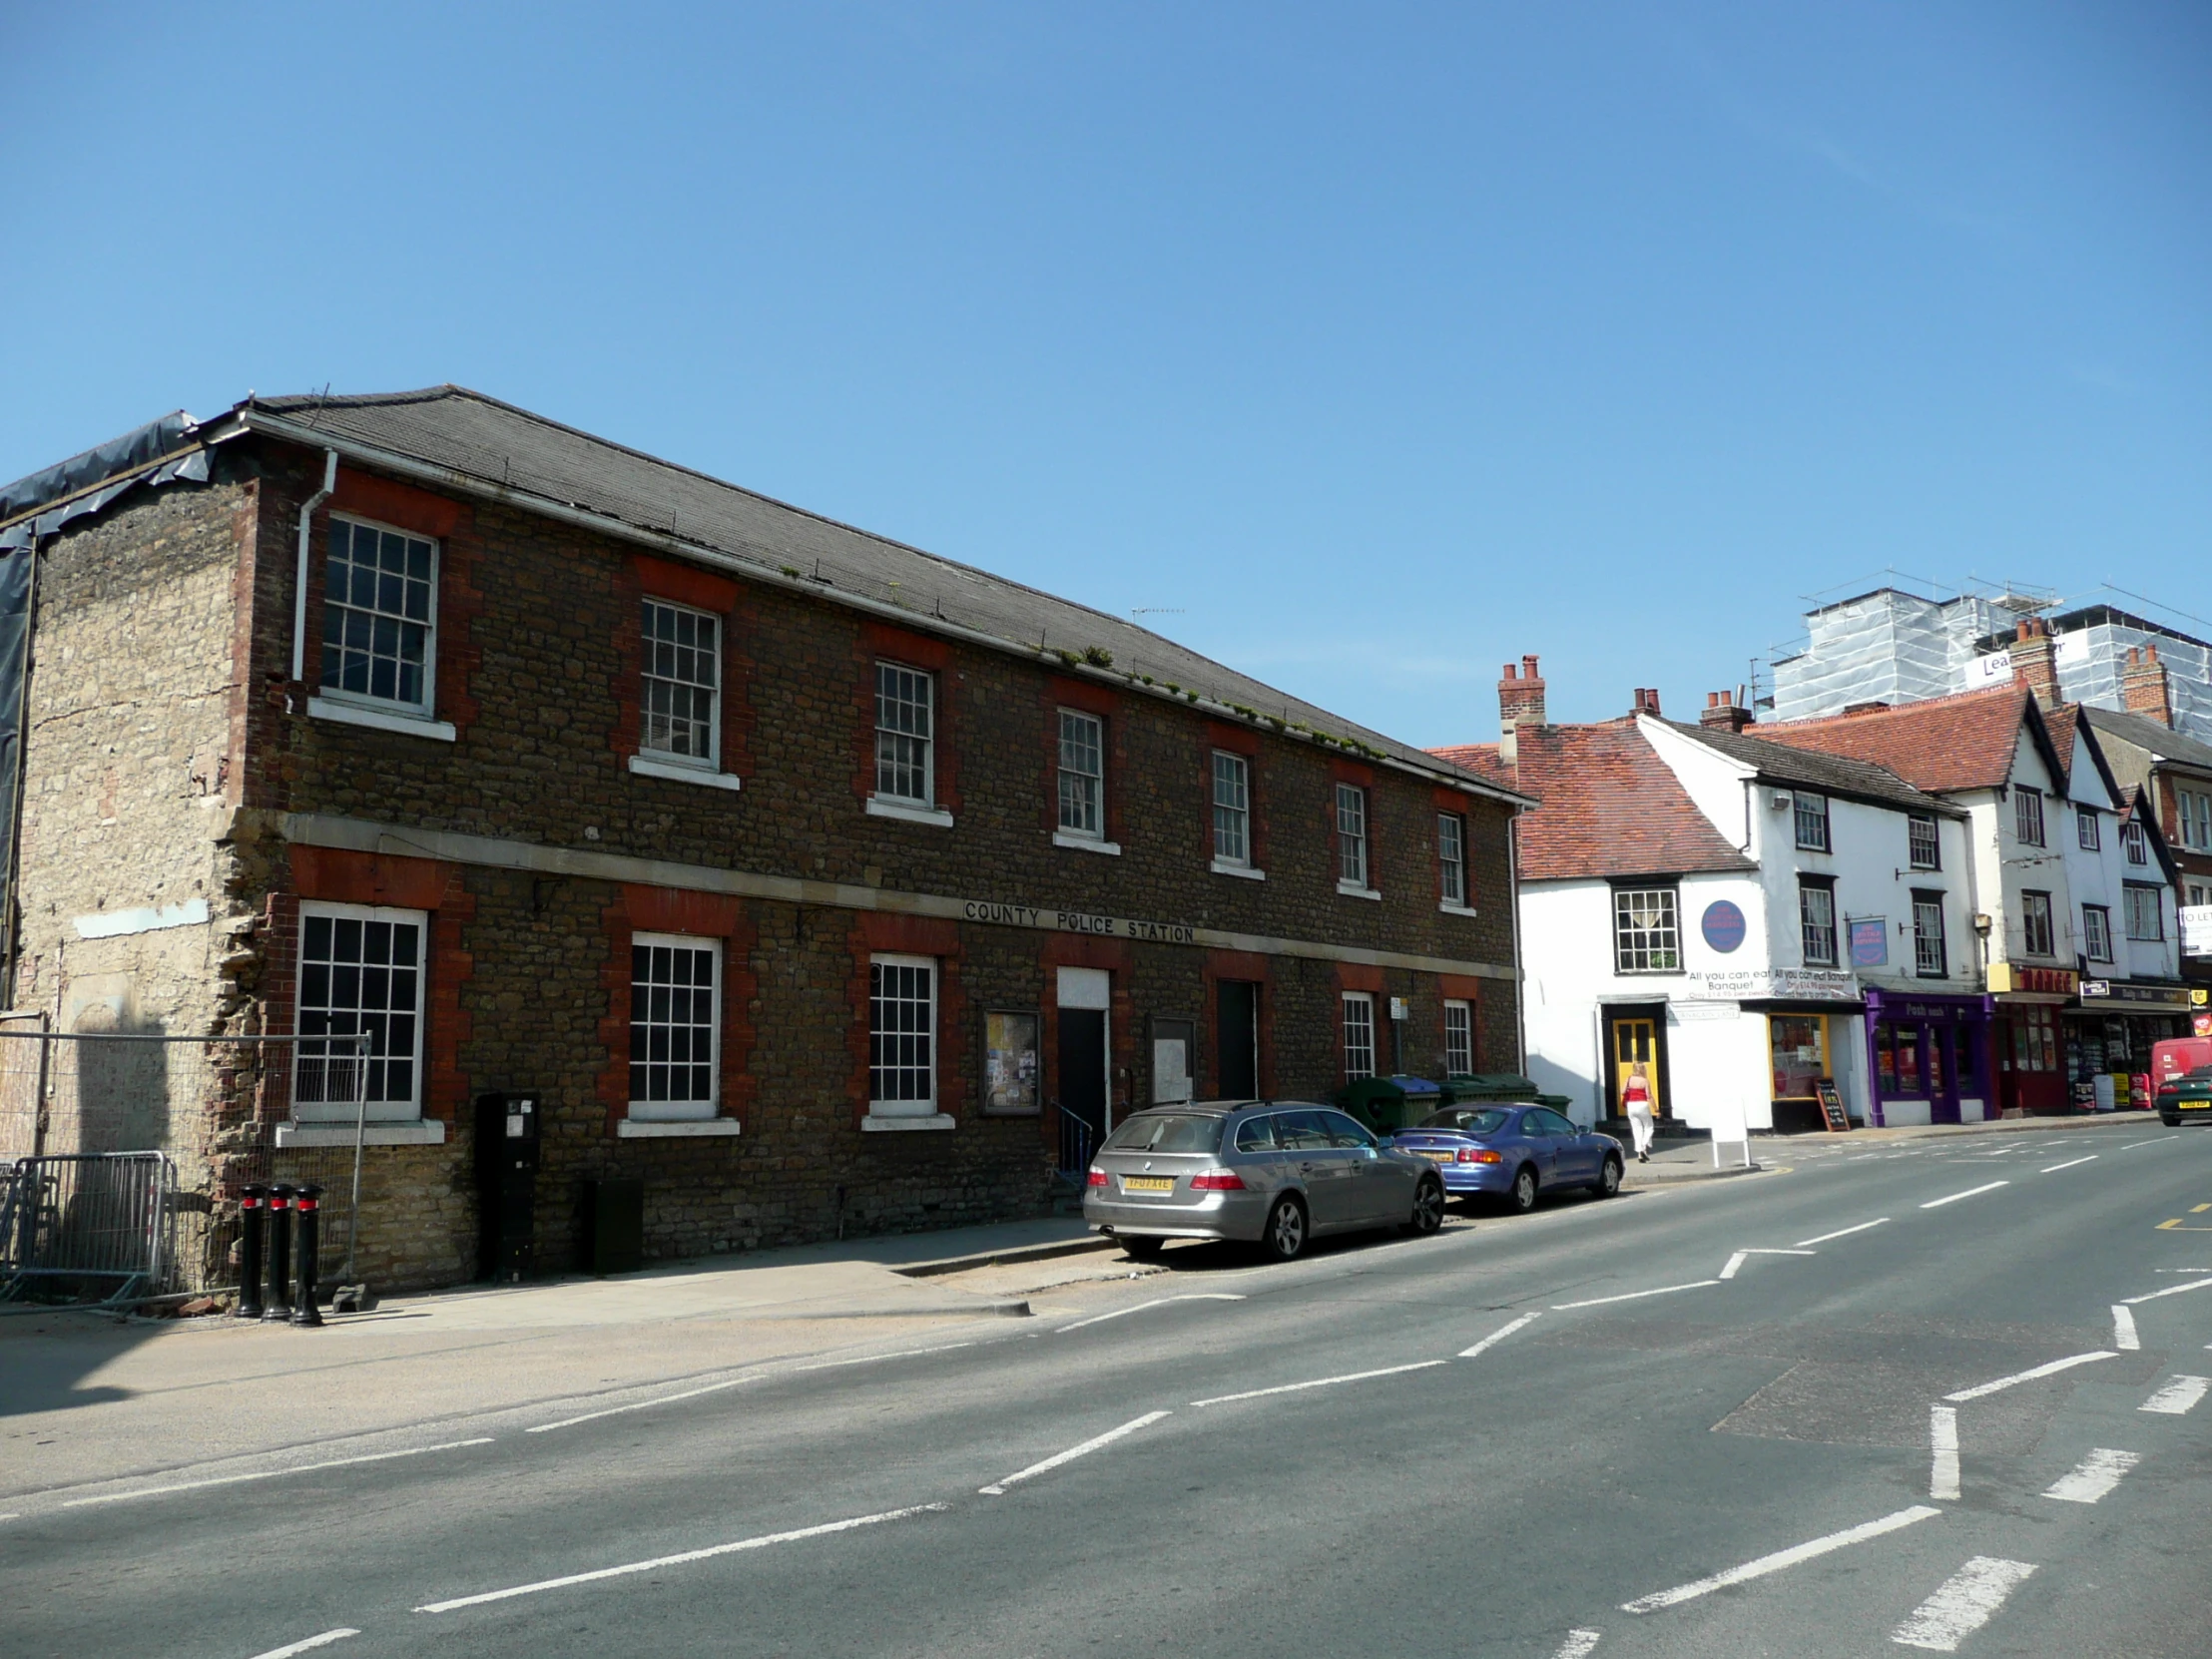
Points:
(270, 1475)
(1156, 1302)
(688, 1555)
(2093, 1476)
(1963, 1604)
(1578, 1644)
(1943, 1443)
(1320, 1382)
(1633, 1296)
(2179, 1395)
(2019, 1376)
(1742, 1256)
(2170, 1289)
(1844, 1233)
(1970, 1192)
(2124, 1337)
(999, 1487)
(1498, 1335)
(1781, 1559)
(644, 1405)
(2155, 1140)
(308, 1645)
(2053, 1169)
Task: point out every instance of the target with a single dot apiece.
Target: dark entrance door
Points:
(1083, 1066)
(1237, 1061)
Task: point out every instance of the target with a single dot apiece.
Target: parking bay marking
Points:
(310, 1644)
(1633, 1296)
(270, 1475)
(688, 1555)
(2170, 1289)
(2124, 1337)
(2019, 1376)
(2053, 1169)
(1942, 1443)
(1498, 1335)
(1320, 1382)
(2179, 1395)
(1578, 1644)
(2155, 1140)
(998, 1489)
(2092, 1477)
(1962, 1604)
(1781, 1559)
(1742, 1256)
(1970, 1192)
(1842, 1234)
(646, 1404)
(1157, 1301)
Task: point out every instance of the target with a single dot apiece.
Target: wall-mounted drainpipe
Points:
(300, 585)
(13, 917)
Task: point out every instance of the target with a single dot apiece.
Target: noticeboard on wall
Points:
(1012, 1060)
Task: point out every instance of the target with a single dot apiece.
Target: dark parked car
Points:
(1513, 1153)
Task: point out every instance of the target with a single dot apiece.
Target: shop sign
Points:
(1870, 942)
(2012, 976)
(2137, 996)
(1810, 984)
(2196, 929)
(1893, 1010)
(1723, 925)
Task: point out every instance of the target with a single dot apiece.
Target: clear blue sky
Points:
(1384, 342)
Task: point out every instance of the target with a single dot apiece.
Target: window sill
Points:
(907, 812)
(1352, 889)
(1086, 843)
(1243, 873)
(874, 1124)
(1455, 910)
(422, 1132)
(668, 1129)
(646, 767)
(414, 726)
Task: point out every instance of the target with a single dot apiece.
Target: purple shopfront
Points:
(1930, 1059)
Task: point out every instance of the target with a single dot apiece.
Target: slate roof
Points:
(1837, 774)
(525, 456)
(1962, 742)
(2147, 734)
(1609, 806)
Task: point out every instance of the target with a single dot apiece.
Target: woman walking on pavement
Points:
(1636, 1099)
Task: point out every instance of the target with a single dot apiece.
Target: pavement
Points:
(1706, 1417)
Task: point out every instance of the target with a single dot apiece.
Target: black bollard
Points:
(310, 1211)
(278, 1305)
(251, 1202)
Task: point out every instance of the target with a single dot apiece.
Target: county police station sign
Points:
(1078, 921)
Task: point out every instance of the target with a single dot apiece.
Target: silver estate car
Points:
(1275, 1173)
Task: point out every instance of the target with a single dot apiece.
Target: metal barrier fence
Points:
(91, 1220)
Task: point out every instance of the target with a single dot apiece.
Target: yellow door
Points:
(1636, 1044)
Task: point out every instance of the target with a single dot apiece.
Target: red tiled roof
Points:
(2064, 725)
(1610, 805)
(1962, 742)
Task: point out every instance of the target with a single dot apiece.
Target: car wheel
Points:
(1523, 1198)
(1428, 1206)
(2171, 1123)
(1608, 1178)
(1139, 1247)
(1285, 1237)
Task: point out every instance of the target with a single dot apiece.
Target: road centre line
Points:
(1942, 1443)
(1961, 1604)
(1844, 1234)
(2051, 1369)
(688, 1555)
(310, 1644)
(1498, 1335)
(1970, 1192)
(1320, 1382)
(1742, 1256)
(2092, 1477)
(2053, 1169)
(2124, 1337)
(1578, 1644)
(268, 1474)
(2179, 1395)
(2155, 1140)
(1157, 1301)
(998, 1489)
(1781, 1559)
(644, 1405)
(1633, 1296)
(2170, 1289)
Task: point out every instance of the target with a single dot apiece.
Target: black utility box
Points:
(614, 1225)
(507, 1185)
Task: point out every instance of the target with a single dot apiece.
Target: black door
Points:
(1084, 1065)
(1237, 1062)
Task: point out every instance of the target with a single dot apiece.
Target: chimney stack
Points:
(1648, 701)
(2035, 660)
(1520, 702)
(1723, 710)
(2145, 689)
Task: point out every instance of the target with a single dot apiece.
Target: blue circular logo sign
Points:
(1723, 925)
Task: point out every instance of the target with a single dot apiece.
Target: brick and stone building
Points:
(817, 882)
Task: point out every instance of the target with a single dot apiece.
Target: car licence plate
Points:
(1442, 1156)
(1147, 1184)
(2196, 1105)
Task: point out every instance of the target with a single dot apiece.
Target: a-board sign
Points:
(1833, 1115)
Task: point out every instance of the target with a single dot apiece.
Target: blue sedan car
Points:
(1512, 1153)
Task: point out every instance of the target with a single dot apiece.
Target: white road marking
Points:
(2018, 1377)
(2178, 1396)
(1320, 1382)
(688, 1555)
(2170, 1289)
(1781, 1559)
(1157, 1301)
(1942, 1443)
(1742, 1256)
(1498, 1335)
(1845, 1234)
(2053, 1169)
(998, 1489)
(1633, 1296)
(645, 1405)
(270, 1475)
(1970, 1192)
(1962, 1605)
(1578, 1644)
(2124, 1329)
(870, 1358)
(308, 1646)
(2093, 1476)
(2153, 1141)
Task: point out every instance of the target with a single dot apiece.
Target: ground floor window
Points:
(902, 1036)
(1458, 1037)
(1799, 1044)
(675, 1021)
(360, 970)
(1358, 1035)
(2032, 1040)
